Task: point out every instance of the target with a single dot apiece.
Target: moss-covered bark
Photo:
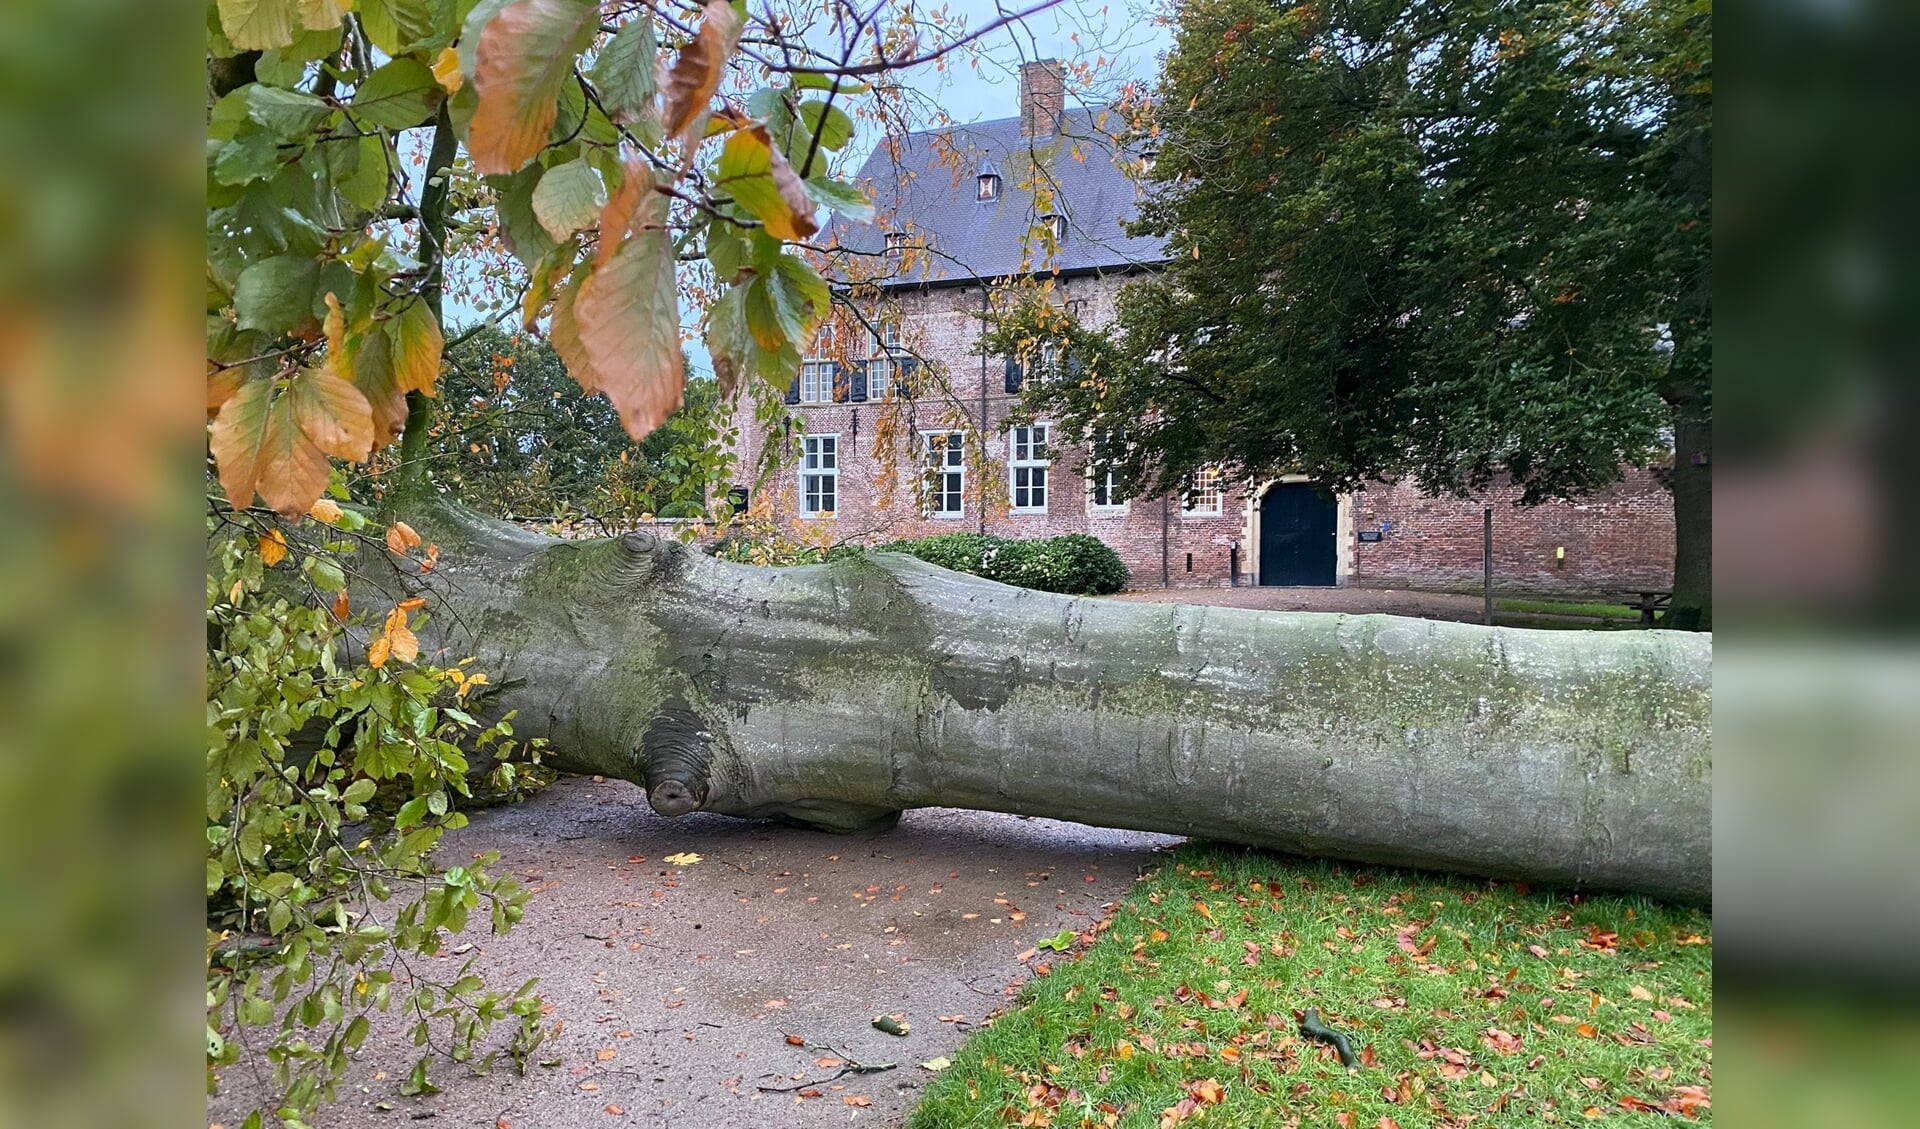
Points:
(841, 694)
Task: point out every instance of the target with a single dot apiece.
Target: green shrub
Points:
(1076, 564)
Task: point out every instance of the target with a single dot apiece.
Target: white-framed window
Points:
(1046, 365)
(1055, 225)
(816, 381)
(1206, 495)
(889, 335)
(988, 187)
(819, 475)
(1103, 480)
(882, 376)
(1027, 463)
(944, 481)
(896, 243)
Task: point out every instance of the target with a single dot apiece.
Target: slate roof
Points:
(925, 183)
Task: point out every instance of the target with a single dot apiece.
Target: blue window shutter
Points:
(793, 390)
(857, 381)
(1015, 375)
(1074, 368)
(840, 388)
(903, 377)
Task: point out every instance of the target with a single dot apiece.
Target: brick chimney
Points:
(1043, 98)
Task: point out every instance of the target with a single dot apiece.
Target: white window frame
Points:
(1203, 484)
(1024, 470)
(987, 189)
(1094, 443)
(820, 459)
(816, 381)
(953, 443)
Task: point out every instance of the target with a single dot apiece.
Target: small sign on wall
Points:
(1369, 535)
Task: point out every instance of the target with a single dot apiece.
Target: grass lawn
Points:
(1566, 607)
(1469, 1003)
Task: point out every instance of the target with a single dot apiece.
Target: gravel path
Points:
(693, 977)
(1354, 601)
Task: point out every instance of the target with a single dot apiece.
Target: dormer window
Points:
(988, 185)
(896, 243)
(1056, 225)
(1146, 159)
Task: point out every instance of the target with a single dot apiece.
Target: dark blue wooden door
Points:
(1296, 536)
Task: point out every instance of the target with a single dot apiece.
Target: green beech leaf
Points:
(728, 250)
(847, 202)
(257, 25)
(829, 123)
(287, 114)
(250, 157)
(276, 295)
(366, 186)
(400, 95)
(626, 73)
(568, 198)
(399, 26)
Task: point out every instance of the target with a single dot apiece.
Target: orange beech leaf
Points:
(327, 510)
(333, 413)
(525, 54)
(563, 332)
(1207, 1091)
(273, 547)
(259, 448)
(628, 313)
(403, 644)
(412, 604)
(341, 607)
(446, 70)
(221, 385)
(696, 73)
(401, 537)
(396, 621)
(377, 652)
(417, 344)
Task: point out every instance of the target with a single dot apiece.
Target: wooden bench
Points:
(1647, 602)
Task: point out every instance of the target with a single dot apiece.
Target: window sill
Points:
(1107, 511)
(1203, 514)
(1029, 511)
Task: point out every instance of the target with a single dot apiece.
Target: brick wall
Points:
(880, 450)
(1621, 538)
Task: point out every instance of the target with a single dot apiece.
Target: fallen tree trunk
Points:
(837, 695)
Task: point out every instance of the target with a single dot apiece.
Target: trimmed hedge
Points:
(1076, 564)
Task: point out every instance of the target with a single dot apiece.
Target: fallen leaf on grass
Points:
(1504, 1042)
(1207, 1091)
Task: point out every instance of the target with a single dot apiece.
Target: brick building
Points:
(898, 426)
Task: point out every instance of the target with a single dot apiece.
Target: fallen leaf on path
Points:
(937, 1064)
(857, 1099)
(684, 858)
(795, 1041)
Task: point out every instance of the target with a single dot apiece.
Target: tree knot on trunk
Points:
(676, 760)
(647, 559)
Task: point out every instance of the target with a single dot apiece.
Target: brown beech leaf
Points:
(525, 54)
(628, 313)
(221, 385)
(696, 72)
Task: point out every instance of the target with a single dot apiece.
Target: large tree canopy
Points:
(1450, 241)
